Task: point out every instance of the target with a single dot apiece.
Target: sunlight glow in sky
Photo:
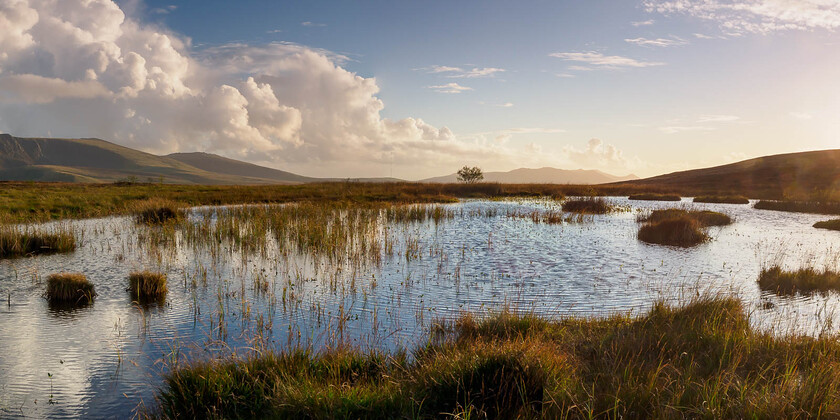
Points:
(419, 89)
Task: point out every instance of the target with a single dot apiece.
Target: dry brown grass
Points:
(69, 288)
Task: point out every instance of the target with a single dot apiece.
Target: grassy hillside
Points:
(542, 176)
(805, 175)
(222, 165)
(94, 160)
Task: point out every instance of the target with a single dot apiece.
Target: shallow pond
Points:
(226, 296)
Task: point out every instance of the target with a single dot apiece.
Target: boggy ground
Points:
(701, 360)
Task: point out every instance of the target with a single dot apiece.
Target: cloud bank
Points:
(85, 68)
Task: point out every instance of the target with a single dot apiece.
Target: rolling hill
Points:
(222, 165)
(790, 175)
(94, 160)
(542, 176)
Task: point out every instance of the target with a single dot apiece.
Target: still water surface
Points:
(106, 360)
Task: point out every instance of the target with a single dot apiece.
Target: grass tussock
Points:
(702, 360)
(828, 224)
(69, 288)
(157, 211)
(706, 218)
(589, 205)
(722, 199)
(655, 197)
(805, 281)
(147, 285)
(17, 243)
(815, 207)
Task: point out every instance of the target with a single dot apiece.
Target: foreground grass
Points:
(702, 360)
(678, 227)
(723, 199)
(17, 243)
(816, 207)
(805, 281)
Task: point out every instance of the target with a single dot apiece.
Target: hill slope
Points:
(541, 176)
(791, 175)
(94, 160)
(222, 165)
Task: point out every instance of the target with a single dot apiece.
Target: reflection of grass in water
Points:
(27, 241)
(807, 280)
(702, 359)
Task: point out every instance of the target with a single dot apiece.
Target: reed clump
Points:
(157, 211)
(828, 224)
(589, 205)
(16, 243)
(678, 227)
(655, 197)
(69, 288)
(700, 360)
(147, 285)
(815, 207)
(722, 199)
(806, 281)
(706, 218)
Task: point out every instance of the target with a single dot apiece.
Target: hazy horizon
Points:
(373, 89)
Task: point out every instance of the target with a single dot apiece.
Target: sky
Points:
(418, 89)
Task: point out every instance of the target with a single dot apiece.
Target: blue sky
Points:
(646, 86)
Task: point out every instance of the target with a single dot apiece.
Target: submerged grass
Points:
(807, 280)
(69, 288)
(655, 197)
(16, 242)
(833, 224)
(702, 360)
(589, 205)
(816, 207)
(723, 199)
(147, 285)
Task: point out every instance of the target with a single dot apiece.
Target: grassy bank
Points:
(590, 205)
(655, 197)
(816, 207)
(32, 202)
(828, 224)
(722, 199)
(702, 360)
(805, 281)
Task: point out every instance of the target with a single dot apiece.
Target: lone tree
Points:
(470, 175)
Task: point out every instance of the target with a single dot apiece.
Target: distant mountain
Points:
(94, 160)
(222, 165)
(542, 176)
(775, 176)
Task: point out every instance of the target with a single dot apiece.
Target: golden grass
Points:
(655, 197)
(706, 218)
(682, 231)
(147, 285)
(589, 205)
(723, 199)
(828, 224)
(69, 288)
(805, 281)
(157, 211)
(16, 242)
(701, 360)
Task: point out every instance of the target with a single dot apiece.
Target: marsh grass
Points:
(815, 207)
(679, 227)
(147, 286)
(701, 360)
(806, 281)
(16, 242)
(706, 218)
(722, 199)
(69, 288)
(589, 205)
(655, 197)
(157, 211)
(828, 224)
